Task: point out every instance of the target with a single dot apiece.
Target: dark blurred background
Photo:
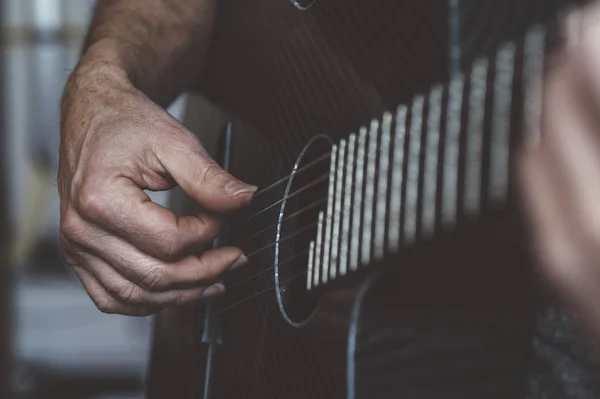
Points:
(61, 345)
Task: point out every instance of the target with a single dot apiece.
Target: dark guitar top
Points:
(457, 315)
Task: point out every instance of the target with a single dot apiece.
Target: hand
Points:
(133, 256)
(560, 170)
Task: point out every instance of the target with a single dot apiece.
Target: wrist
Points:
(96, 72)
(102, 61)
(94, 81)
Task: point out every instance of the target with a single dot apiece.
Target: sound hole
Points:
(302, 4)
(305, 194)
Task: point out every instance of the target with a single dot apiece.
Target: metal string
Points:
(263, 271)
(294, 276)
(260, 273)
(302, 273)
(286, 178)
(293, 215)
(295, 234)
(298, 191)
(287, 261)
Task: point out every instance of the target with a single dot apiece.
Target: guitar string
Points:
(290, 217)
(294, 277)
(286, 178)
(320, 179)
(290, 236)
(270, 245)
(260, 273)
(298, 232)
(256, 252)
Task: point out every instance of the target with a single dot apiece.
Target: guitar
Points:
(385, 240)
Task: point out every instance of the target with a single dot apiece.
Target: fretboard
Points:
(411, 173)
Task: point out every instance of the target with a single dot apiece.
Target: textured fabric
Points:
(562, 365)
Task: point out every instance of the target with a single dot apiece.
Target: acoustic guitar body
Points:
(357, 289)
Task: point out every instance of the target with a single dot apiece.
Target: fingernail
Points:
(241, 261)
(234, 188)
(214, 290)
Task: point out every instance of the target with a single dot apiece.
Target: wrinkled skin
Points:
(133, 256)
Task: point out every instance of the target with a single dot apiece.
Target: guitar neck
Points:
(417, 172)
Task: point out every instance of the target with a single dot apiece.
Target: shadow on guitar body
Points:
(451, 319)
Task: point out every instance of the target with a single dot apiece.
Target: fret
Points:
(431, 161)
(337, 210)
(499, 160)
(535, 42)
(472, 200)
(311, 259)
(367, 225)
(397, 180)
(329, 214)
(347, 204)
(317, 258)
(382, 186)
(412, 174)
(358, 188)
(360, 224)
(451, 153)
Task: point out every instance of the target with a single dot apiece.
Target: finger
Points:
(151, 273)
(202, 178)
(572, 149)
(125, 210)
(127, 292)
(552, 241)
(104, 301)
(562, 263)
(566, 261)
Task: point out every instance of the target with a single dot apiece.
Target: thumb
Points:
(203, 179)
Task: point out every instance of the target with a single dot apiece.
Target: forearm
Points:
(159, 45)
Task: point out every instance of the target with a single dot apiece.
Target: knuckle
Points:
(167, 249)
(213, 266)
(209, 227)
(209, 270)
(69, 260)
(90, 201)
(127, 292)
(180, 299)
(65, 249)
(144, 312)
(105, 304)
(70, 226)
(70, 254)
(153, 277)
(213, 172)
